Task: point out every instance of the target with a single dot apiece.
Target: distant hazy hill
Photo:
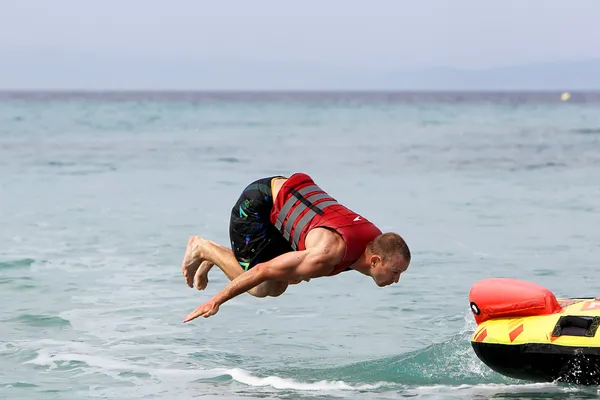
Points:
(583, 75)
(47, 69)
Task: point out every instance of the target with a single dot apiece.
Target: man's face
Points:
(387, 272)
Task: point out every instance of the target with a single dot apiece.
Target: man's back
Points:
(302, 207)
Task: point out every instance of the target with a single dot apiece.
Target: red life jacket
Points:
(301, 206)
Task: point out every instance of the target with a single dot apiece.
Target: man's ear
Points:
(374, 259)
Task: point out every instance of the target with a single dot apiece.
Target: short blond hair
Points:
(388, 244)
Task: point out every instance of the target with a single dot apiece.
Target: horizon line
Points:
(293, 91)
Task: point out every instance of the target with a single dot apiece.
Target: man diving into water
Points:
(286, 230)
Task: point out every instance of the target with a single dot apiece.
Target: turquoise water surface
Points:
(99, 194)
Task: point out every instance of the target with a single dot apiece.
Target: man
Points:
(286, 230)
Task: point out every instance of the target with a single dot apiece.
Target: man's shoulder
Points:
(323, 236)
(330, 241)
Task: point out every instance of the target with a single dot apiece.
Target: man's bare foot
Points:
(192, 259)
(201, 276)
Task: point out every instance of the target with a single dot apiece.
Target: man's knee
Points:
(269, 289)
(258, 292)
(277, 288)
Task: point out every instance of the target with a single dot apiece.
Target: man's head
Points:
(388, 256)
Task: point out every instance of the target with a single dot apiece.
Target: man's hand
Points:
(207, 309)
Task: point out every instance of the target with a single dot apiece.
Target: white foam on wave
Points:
(54, 353)
(46, 357)
(112, 367)
(470, 324)
(276, 382)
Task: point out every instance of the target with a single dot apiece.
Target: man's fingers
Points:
(205, 310)
(193, 315)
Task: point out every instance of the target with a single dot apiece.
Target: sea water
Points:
(100, 192)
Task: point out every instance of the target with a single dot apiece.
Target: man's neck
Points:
(362, 265)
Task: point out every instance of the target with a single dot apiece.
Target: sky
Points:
(270, 44)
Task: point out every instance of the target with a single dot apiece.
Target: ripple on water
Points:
(41, 320)
(20, 263)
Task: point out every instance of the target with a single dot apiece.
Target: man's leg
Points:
(201, 254)
(251, 235)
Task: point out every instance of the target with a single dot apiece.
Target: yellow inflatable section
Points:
(574, 326)
(524, 332)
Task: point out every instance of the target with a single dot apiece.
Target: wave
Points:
(587, 131)
(67, 361)
(22, 263)
(451, 362)
(44, 321)
(335, 385)
(449, 369)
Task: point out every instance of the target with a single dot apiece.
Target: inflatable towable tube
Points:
(525, 332)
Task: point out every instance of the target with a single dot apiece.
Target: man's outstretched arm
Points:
(294, 265)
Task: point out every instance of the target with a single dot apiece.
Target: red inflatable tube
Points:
(505, 297)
